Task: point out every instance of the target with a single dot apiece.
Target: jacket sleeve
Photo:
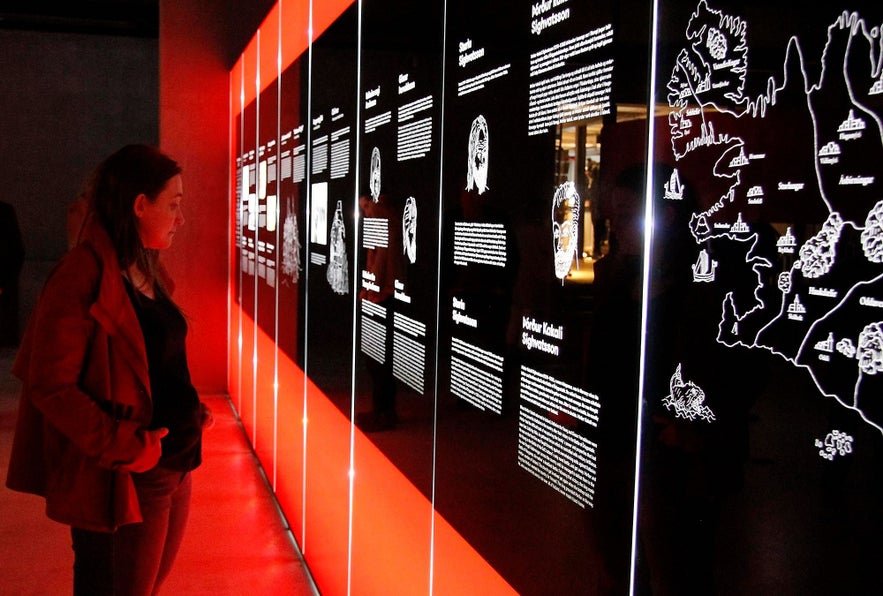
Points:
(62, 330)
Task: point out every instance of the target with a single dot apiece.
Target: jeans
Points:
(134, 560)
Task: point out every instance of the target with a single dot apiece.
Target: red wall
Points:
(193, 110)
(194, 86)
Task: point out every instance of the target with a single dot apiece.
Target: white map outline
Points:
(697, 88)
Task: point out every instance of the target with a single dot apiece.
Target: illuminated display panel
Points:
(526, 318)
(764, 428)
(536, 432)
(247, 220)
(292, 207)
(331, 237)
(399, 164)
(266, 191)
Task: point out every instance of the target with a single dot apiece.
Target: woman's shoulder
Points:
(78, 267)
(82, 257)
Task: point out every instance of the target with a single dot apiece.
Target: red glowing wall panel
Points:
(189, 132)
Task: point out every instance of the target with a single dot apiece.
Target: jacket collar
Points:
(113, 308)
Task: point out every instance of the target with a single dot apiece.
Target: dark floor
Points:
(236, 542)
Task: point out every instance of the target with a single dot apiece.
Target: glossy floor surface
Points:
(236, 541)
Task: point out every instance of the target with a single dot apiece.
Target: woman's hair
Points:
(111, 192)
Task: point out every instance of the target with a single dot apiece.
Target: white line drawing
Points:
(674, 189)
(704, 267)
(826, 345)
(707, 92)
(818, 254)
(686, 399)
(870, 349)
(829, 149)
(754, 195)
(337, 274)
(846, 347)
(477, 160)
(787, 242)
(872, 235)
(290, 245)
(836, 443)
(796, 307)
(739, 226)
(851, 124)
(409, 229)
(374, 175)
(566, 206)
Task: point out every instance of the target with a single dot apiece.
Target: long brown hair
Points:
(111, 192)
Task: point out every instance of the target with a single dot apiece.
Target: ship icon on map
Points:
(704, 267)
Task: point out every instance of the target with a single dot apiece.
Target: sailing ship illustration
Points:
(674, 189)
(704, 267)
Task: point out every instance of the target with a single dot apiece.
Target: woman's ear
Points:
(140, 205)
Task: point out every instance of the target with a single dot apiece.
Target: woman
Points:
(109, 423)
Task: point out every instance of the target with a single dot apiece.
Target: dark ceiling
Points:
(134, 18)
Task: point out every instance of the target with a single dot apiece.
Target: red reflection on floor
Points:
(392, 521)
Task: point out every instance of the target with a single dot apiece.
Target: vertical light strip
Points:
(230, 201)
(356, 280)
(257, 227)
(309, 180)
(438, 289)
(239, 225)
(648, 244)
(276, 259)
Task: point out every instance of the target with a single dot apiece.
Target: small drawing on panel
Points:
(337, 274)
(686, 399)
(290, 245)
(477, 162)
(566, 206)
(836, 443)
(374, 175)
(409, 229)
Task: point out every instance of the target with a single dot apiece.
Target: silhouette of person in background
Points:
(613, 374)
(12, 256)
(386, 264)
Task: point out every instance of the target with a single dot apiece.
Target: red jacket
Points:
(85, 398)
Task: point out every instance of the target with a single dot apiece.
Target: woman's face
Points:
(158, 220)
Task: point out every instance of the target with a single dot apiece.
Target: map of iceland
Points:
(788, 182)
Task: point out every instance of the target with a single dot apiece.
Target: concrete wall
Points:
(68, 100)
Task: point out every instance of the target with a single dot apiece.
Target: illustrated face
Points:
(158, 220)
(477, 166)
(409, 229)
(565, 226)
(374, 182)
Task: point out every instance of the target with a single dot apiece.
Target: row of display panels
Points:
(570, 372)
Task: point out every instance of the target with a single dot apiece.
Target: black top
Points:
(176, 405)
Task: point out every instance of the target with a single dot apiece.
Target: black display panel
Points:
(247, 210)
(537, 433)
(591, 412)
(400, 102)
(761, 456)
(267, 205)
(331, 208)
(293, 154)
